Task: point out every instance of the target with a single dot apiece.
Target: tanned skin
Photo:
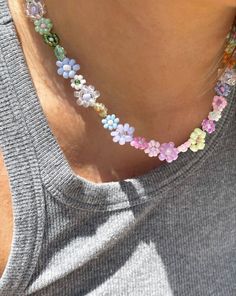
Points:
(155, 66)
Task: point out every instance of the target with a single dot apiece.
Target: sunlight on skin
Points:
(152, 46)
(125, 64)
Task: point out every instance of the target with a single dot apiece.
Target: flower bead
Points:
(219, 103)
(197, 139)
(184, 147)
(229, 77)
(139, 143)
(123, 133)
(230, 46)
(86, 96)
(110, 122)
(77, 82)
(67, 68)
(35, 9)
(208, 126)
(222, 89)
(214, 115)
(168, 152)
(43, 25)
(153, 148)
(231, 81)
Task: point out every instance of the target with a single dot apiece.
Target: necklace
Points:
(87, 95)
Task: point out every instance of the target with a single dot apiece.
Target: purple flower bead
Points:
(208, 126)
(67, 68)
(222, 89)
(168, 152)
(35, 9)
(123, 133)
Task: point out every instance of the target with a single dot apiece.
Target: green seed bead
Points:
(51, 39)
(60, 52)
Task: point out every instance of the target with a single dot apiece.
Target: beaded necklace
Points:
(87, 95)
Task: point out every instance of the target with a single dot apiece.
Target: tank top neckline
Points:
(58, 177)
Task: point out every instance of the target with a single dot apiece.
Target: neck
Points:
(146, 57)
(154, 64)
(132, 53)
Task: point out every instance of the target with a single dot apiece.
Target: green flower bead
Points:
(43, 25)
(51, 39)
(230, 47)
(197, 140)
(60, 52)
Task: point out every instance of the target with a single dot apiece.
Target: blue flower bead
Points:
(67, 68)
(110, 122)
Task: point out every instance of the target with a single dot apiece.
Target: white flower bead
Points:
(214, 115)
(77, 82)
(87, 96)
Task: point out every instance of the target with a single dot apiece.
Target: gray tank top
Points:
(168, 232)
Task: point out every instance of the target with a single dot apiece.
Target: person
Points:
(83, 215)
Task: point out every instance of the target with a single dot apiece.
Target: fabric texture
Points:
(168, 232)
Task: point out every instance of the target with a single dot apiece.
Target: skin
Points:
(131, 52)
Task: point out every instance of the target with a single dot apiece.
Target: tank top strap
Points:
(26, 188)
(5, 16)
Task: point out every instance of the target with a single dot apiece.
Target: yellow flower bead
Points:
(197, 140)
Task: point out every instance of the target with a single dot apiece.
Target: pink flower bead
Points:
(208, 126)
(168, 152)
(184, 147)
(219, 103)
(153, 148)
(139, 143)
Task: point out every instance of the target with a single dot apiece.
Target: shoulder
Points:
(6, 215)
(4, 181)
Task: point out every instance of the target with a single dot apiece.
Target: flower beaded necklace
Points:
(87, 95)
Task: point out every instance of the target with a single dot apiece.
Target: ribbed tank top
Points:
(168, 232)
